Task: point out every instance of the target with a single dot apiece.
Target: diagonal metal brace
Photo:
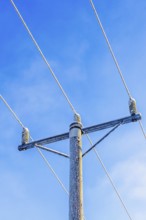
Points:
(52, 151)
(49, 140)
(101, 139)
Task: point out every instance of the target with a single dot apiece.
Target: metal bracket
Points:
(94, 128)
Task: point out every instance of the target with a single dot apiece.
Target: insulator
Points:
(77, 118)
(25, 136)
(132, 106)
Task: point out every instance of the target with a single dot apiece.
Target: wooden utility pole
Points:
(76, 181)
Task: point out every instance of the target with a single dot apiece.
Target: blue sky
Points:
(71, 39)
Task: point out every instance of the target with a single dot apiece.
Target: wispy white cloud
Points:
(131, 177)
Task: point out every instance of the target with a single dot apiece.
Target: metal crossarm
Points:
(87, 130)
(110, 124)
(44, 141)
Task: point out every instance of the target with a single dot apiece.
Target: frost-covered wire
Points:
(40, 152)
(43, 57)
(114, 58)
(110, 179)
(110, 49)
(142, 129)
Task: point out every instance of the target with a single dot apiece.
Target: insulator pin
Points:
(25, 136)
(132, 106)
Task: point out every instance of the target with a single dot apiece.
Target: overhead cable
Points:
(11, 110)
(43, 57)
(142, 129)
(110, 48)
(41, 154)
(52, 170)
(115, 60)
(73, 109)
(110, 179)
(126, 88)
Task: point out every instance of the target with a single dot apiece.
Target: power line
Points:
(37, 147)
(52, 170)
(110, 179)
(123, 80)
(43, 57)
(40, 152)
(11, 110)
(49, 166)
(142, 129)
(110, 49)
(113, 185)
(114, 58)
(57, 81)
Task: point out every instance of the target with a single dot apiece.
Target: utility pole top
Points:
(76, 156)
(93, 128)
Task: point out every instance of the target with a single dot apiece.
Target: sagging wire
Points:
(110, 179)
(25, 138)
(11, 110)
(115, 60)
(43, 57)
(142, 129)
(132, 102)
(37, 46)
(110, 48)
